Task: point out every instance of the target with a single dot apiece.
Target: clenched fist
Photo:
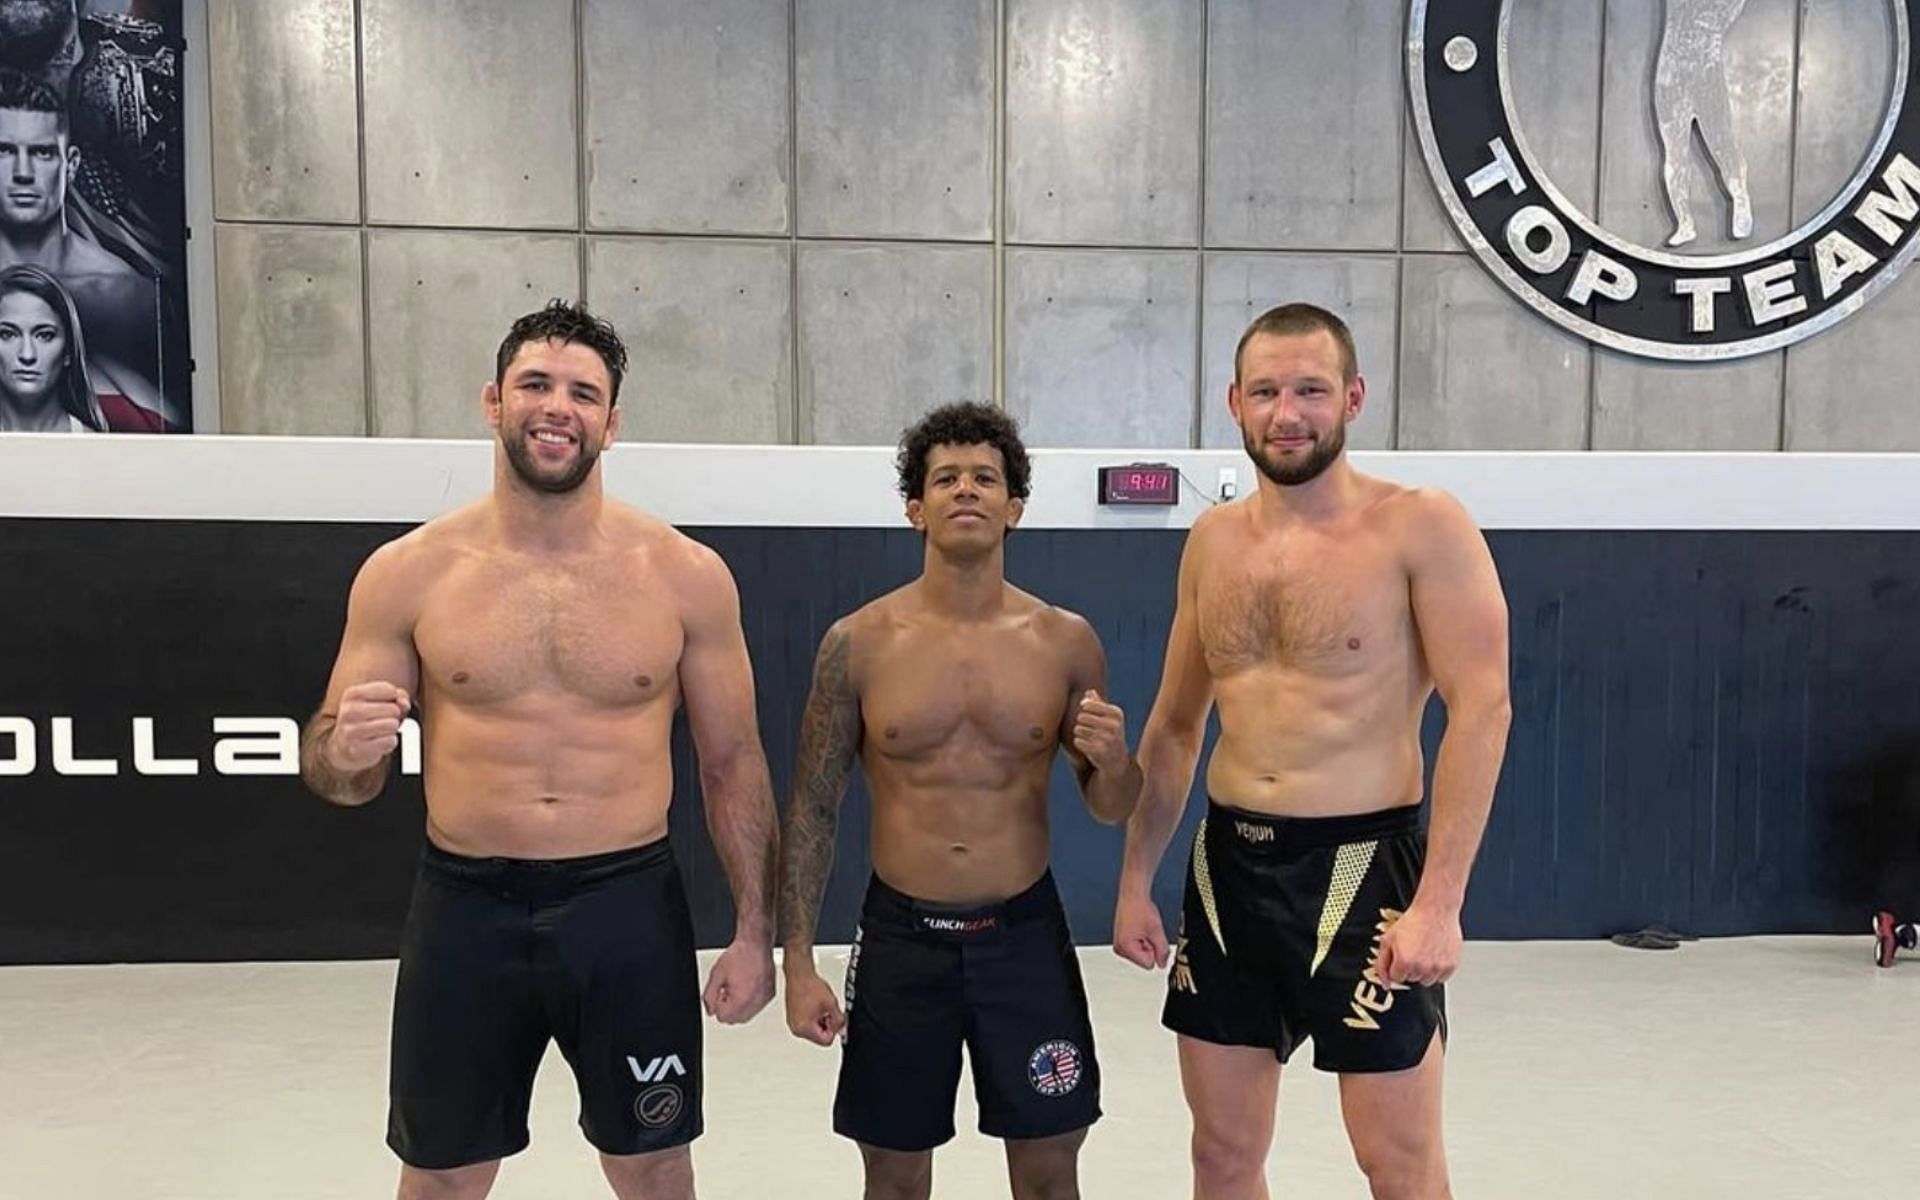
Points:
(1422, 947)
(740, 983)
(368, 727)
(1100, 733)
(1139, 936)
(813, 1011)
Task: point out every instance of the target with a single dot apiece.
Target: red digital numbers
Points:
(1137, 485)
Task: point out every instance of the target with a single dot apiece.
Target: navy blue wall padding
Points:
(1716, 730)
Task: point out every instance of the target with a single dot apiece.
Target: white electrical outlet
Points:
(1229, 483)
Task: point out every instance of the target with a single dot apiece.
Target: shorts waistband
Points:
(1041, 899)
(541, 878)
(1265, 830)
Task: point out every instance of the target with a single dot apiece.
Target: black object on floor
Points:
(1653, 937)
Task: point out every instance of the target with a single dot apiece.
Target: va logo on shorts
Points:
(1634, 289)
(664, 1066)
(660, 1105)
(1055, 1068)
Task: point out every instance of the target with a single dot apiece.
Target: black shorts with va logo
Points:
(1003, 981)
(1280, 931)
(502, 955)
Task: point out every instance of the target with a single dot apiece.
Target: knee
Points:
(898, 1175)
(1403, 1173)
(1051, 1184)
(1045, 1177)
(461, 1183)
(1228, 1158)
(661, 1175)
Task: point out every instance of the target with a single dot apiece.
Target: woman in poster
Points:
(89, 138)
(47, 382)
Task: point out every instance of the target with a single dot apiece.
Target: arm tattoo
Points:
(829, 739)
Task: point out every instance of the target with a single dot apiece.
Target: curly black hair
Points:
(560, 321)
(24, 92)
(963, 424)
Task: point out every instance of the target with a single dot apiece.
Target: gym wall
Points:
(1714, 713)
(817, 218)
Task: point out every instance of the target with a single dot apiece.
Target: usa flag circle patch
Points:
(1055, 1068)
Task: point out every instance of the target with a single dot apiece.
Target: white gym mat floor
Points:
(1748, 1068)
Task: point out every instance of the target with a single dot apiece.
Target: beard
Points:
(31, 30)
(1292, 474)
(530, 473)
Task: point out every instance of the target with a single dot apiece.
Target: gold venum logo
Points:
(1371, 997)
(1252, 832)
(1182, 978)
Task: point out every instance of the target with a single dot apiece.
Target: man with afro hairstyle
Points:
(954, 692)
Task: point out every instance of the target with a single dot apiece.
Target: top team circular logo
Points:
(1054, 1068)
(1660, 300)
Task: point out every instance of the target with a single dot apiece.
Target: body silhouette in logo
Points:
(1689, 88)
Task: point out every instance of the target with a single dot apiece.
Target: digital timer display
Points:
(1140, 483)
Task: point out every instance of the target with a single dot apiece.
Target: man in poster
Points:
(89, 135)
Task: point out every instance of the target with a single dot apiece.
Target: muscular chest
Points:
(495, 632)
(1315, 607)
(1002, 693)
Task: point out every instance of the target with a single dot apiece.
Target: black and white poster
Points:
(93, 298)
